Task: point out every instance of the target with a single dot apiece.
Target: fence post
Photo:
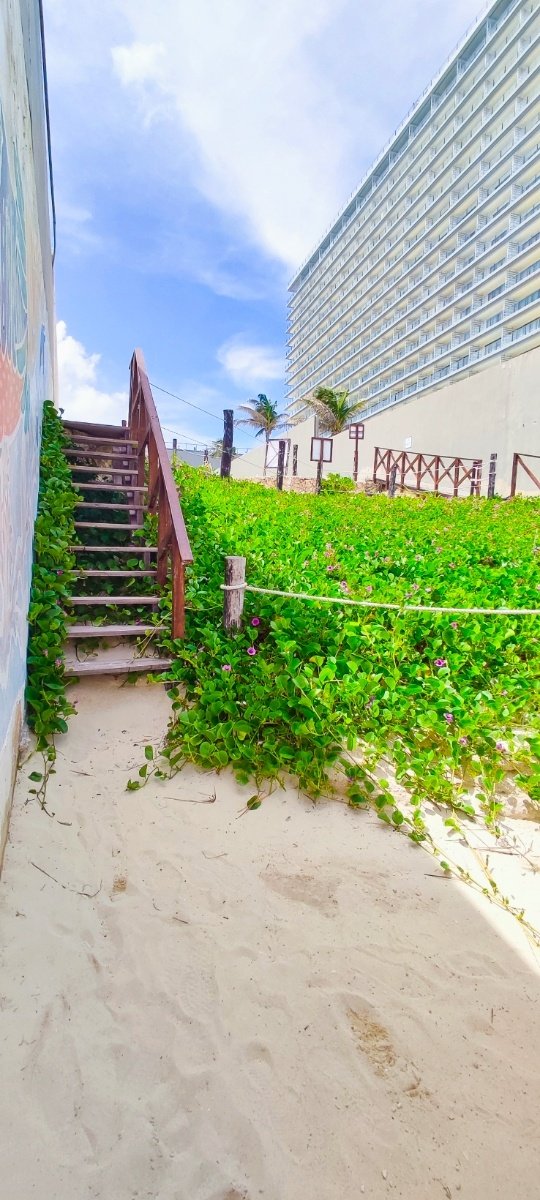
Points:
(392, 482)
(280, 465)
(513, 484)
(233, 597)
(492, 475)
(226, 454)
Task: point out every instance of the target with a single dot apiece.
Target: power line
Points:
(182, 401)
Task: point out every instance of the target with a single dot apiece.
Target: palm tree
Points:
(263, 417)
(333, 410)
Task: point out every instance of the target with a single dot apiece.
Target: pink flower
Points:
(344, 585)
(440, 662)
(251, 650)
(463, 741)
(449, 718)
(369, 588)
(453, 624)
(226, 667)
(59, 572)
(500, 746)
(255, 621)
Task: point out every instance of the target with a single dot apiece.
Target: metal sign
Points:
(321, 449)
(356, 432)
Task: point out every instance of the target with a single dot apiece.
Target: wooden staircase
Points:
(123, 474)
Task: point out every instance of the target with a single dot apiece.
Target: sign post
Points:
(321, 452)
(356, 435)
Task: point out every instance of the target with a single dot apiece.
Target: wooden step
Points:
(131, 549)
(95, 429)
(137, 574)
(118, 601)
(111, 487)
(124, 527)
(86, 438)
(104, 504)
(108, 454)
(112, 631)
(122, 665)
(102, 470)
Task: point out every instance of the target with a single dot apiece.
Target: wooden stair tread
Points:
(105, 504)
(135, 546)
(123, 666)
(108, 454)
(112, 631)
(103, 441)
(103, 470)
(111, 487)
(123, 526)
(91, 573)
(117, 600)
(93, 428)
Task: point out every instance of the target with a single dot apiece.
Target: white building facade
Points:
(431, 273)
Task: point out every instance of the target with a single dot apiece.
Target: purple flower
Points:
(369, 588)
(59, 572)
(500, 746)
(226, 667)
(251, 650)
(453, 624)
(440, 662)
(449, 718)
(463, 741)
(255, 621)
(344, 585)
(331, 568)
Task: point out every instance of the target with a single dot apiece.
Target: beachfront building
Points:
(431, 273)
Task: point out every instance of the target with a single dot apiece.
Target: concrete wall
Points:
(496, 410)
(26, 351)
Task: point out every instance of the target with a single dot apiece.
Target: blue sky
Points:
(200, 151)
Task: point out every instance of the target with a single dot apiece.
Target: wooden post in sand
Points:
(233, 602)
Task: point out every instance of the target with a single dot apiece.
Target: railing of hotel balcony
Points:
(407, 266)
(475, 308)
(486, 168)
(459, 292)
(375, 179)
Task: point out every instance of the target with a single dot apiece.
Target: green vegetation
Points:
(324, 693)
(335, 484)
(52, 579)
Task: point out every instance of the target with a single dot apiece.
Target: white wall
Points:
(496, 410)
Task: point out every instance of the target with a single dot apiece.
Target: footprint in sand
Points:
(373, 1040)
(304, 888)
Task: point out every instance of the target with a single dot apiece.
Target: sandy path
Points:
(283, 1005)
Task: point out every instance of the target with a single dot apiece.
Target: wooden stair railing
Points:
(152, 457)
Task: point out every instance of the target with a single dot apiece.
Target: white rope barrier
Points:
(507, 612)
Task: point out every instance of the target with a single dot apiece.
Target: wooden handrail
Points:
(172, 538)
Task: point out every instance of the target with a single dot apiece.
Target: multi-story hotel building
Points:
(432, 270)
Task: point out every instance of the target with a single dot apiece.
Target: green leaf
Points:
(35, 776)
(149, 752)
(253, 802)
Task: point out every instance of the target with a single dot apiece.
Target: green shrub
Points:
(335, 484)
(52, 581)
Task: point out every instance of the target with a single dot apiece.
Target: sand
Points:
(285, 1004)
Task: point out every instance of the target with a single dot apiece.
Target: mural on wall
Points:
(25, 367)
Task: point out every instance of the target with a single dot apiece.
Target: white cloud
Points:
(248, 364)
(284, 103)
(79, 395)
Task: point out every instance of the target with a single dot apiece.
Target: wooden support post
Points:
(319, 476)
(281, 465)
(178, 595)
(513, 484)
(226, 455)
(233, 597)
(492, 475)
(392, 482)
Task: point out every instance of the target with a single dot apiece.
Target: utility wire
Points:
(189, 402)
